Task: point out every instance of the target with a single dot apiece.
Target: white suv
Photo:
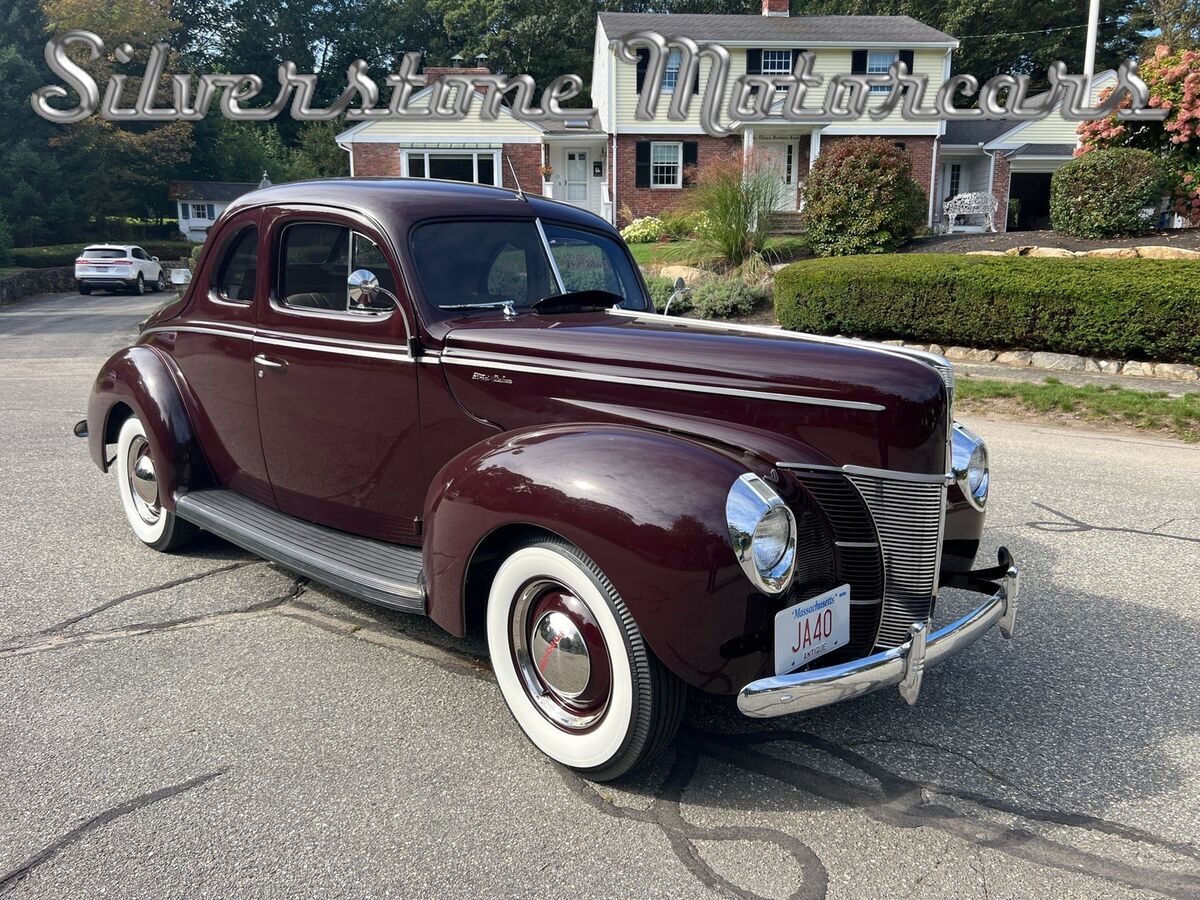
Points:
(111, 266)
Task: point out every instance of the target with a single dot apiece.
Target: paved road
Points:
(208, 724)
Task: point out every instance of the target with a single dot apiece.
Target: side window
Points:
(315, 262)
(594, 262)
(139, 253)
(238, 272)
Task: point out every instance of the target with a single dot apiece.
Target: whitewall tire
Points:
(137, 485)
(572, 665)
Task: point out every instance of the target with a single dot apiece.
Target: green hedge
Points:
(1136, 308)
(66, 254)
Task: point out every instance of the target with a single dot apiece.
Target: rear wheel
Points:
(137, 483)
(83, 288)
(572, 665)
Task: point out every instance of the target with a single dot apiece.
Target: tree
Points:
(1019, 37)
(1177, 21)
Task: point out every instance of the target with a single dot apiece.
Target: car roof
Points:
(401, 202)
(109, 247)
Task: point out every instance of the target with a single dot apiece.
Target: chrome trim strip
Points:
(562, 288)
(447, 359)
(894, 474)
(344, 349)
(330, 348)
(198, 329)
(903, 665)
(856, 545)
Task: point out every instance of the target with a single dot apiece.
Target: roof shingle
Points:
(801, 29)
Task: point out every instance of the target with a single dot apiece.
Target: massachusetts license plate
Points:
(811, 629)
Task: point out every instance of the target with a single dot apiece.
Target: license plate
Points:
(103, 268)
(811, 629)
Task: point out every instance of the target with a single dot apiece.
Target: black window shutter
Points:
(858, 62)
(642, 176)
(643, 62)
(754, 62)
(690, 159)
(906, 57)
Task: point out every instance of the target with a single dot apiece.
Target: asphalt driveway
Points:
(208, 724)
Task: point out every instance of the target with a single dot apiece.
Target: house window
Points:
(671, 75)
(777, 62)
(955, 179)
(477, 167)
(202, 211)
(666, 165)
(791, 151)
(878, 63)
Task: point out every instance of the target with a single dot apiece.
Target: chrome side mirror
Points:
(365, 292)
(681, 290)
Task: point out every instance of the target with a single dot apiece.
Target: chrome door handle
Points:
(269, 363)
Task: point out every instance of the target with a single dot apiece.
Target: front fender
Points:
(145, 380)
(647, 507)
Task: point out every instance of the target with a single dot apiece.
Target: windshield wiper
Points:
(499, 304)
(577, 301)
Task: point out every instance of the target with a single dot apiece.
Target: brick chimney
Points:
(776, 8)
(433, 73)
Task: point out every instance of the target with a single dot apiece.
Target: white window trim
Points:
(678, 145)
(678, 59)
(497, 174)
(773, 70)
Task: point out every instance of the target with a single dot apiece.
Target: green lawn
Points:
(784, 248)
(1154, 410)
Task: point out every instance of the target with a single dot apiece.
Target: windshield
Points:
(485, 264)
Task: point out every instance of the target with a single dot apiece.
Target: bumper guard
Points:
(903, 665)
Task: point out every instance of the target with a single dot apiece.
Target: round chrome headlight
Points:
(762, 531)
(970, 463)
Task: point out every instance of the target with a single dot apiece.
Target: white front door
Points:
(577, 178)
(781, 157)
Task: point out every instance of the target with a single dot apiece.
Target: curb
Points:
(1062, 362)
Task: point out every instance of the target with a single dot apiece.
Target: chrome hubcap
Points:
(561, 655)
(143, 481)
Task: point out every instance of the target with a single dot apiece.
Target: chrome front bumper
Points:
(904, 665)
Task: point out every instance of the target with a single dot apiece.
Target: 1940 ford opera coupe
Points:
(457, 401)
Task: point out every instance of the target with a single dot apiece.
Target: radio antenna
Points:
(516, 180)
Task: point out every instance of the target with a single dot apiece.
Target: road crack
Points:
(9, 880)
(60, 641)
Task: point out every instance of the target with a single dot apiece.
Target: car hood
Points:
(765, 391)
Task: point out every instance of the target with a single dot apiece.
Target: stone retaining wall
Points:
(29, 282)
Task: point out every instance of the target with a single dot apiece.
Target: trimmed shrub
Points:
(1119, 308)
(724, 299)
(661, 290)
(860, 197)
(645, 230)
(1105, 193)
(66, 254)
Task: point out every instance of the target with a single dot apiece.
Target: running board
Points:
(386, 574)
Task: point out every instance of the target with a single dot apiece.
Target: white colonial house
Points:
(198, 203)
(619, 166)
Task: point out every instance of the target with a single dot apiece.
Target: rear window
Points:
(104, 253)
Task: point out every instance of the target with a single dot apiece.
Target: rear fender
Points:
(144, 382)
(647, 507)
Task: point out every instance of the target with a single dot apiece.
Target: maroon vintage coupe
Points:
(458, 401)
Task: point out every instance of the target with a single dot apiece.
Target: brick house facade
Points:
(620, 167)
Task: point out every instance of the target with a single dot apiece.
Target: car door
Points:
(214, 349)
(337, 387)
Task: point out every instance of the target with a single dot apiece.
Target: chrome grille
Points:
(909, 518)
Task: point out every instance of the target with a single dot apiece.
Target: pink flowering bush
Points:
(1174, 82)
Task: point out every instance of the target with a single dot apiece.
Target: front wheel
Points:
(139, 286)
(160, 283)
(137, 483)
(572, 665)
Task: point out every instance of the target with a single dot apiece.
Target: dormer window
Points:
(671, 75)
